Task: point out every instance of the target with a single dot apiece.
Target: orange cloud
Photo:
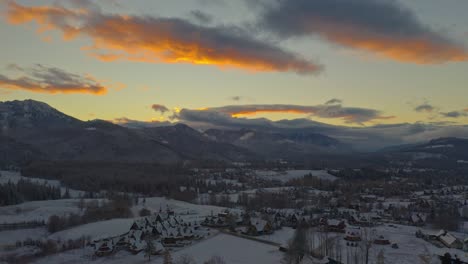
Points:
(417, 49)
(268, 111)
(148, 39)
(43, 79)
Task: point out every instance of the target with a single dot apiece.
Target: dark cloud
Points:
(426, 107)
(44, 79)
(160, 108)
(158, 39)
(334, 101)
(454, 114)
(208, 118)
(235, 98)
(201, 17)
(355, 115)
(382, 27)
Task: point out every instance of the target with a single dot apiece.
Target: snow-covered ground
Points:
(37, 210)
(42, 210)
(285, 176)
(98, 230)
(233, 250)
(281, 236)
(187, 211)
(9, 237)
(410, 248)
(13, 176)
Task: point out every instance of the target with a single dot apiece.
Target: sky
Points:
(351, 63)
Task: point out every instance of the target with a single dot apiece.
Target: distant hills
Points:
(32, 130)
(437, 153)
(288, 145)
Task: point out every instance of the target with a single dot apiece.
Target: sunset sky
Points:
(342, 62)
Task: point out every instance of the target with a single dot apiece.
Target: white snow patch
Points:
(439, 146)
(9, 237)
(247, 136)
(37, 210)
(14, 177)
(103, 229)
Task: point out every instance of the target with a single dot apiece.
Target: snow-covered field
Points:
(42, 210)
(186, 210)
(410, 248)
(9, 237)
(285, 176)
(37, 210)
(103, 229)
(13, 176)
(281, 236)
(233, 250)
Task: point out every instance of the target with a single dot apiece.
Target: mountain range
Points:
(32, 130)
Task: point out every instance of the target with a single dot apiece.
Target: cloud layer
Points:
(51, 80)
(131, 123)
(156, 39)
(235, 113)
(382, 27)
(363, 138)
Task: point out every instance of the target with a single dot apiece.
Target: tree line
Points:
(26, 190)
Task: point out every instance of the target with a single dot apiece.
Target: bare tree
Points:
(167, 257)
(149, 249)
(381, 257)
(185, 259)
(215, 260)
(368, 237)
(298, 247)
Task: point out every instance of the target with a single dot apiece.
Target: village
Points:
(257, 207)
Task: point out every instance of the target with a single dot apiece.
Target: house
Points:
(465, 245)
(166, 229)
(136, 246)
(362, 219)
(450, 241)
(334, 225)
(381, 240)
(259, 227)
(418, 219)
(221, 220)
(443, 237)
(430, 235)
(353, 234)
(104, 248)
(122, 241)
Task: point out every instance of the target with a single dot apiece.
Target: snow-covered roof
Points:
(448, 239)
